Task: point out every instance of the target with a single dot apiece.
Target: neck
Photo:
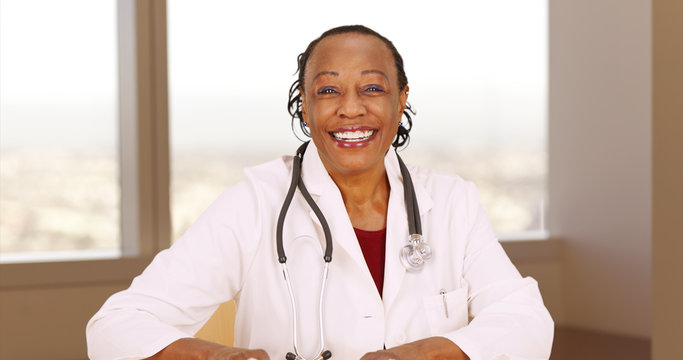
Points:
(358, 189)
(366, 197)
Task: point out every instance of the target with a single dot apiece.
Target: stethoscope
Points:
(413, 255)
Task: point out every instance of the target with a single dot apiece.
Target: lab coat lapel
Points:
(328, 197)
(397, 227)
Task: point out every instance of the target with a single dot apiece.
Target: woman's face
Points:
(351, 102)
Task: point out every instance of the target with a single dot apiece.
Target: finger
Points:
(256, 355)
(380, 355)
(248, 355)
(260, 354)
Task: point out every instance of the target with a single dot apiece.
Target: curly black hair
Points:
(294, 103)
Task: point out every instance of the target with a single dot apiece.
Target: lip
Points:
(353, 144)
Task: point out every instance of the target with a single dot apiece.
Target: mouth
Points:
(353, 137)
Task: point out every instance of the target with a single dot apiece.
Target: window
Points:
(477, 72)
(483, 117)
(59, 172)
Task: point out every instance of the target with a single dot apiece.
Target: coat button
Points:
(400, 339)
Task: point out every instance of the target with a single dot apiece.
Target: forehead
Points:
(351, 52)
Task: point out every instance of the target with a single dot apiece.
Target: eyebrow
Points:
(364, 72)
(375, 72)
(333, 73)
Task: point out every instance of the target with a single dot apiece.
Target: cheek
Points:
(317, 112)
(390, 111)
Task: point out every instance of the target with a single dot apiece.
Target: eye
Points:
(374, 88)
(327, 90)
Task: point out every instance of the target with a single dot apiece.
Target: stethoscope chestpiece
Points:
(414, 255)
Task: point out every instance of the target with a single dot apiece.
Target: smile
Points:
(353, 136)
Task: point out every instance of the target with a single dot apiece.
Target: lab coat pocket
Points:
(446, 311)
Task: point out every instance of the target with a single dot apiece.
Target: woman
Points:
(465, 302)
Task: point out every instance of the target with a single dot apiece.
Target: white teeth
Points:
(359, 135)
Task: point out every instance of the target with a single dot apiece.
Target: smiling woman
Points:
(439, 261)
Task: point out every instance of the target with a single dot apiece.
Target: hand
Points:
(192, 348)
(229, 353)
(430, 348)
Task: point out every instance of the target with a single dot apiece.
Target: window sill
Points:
(532, 248)
(31, 275)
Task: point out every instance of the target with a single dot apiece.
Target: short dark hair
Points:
(294, 103)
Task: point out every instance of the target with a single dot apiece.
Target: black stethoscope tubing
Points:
(412, 209)
(298, 182)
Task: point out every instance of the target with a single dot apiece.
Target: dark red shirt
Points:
(373, 245)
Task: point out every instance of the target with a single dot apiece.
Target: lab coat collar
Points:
(397, 225)
(328, 197)
(319, 182)
(424, 200)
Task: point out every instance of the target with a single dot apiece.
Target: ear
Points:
(304, 111)
(402, 101)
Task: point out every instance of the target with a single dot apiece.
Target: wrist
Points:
(439, 347)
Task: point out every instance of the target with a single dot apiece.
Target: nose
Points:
(351, 105)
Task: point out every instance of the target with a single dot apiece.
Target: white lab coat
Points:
(488, 310)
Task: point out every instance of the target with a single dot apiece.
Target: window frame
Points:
(144, 144)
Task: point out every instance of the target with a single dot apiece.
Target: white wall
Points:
(600, 161)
